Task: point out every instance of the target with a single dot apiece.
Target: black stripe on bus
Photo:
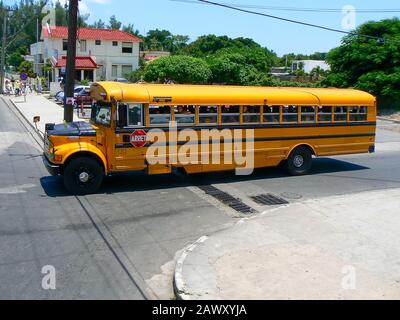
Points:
(180, 143)
(255, 126)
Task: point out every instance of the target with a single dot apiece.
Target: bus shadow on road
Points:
(139, 181)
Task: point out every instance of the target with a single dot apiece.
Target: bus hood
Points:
(74, 129)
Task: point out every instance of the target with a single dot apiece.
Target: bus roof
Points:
(229, 95)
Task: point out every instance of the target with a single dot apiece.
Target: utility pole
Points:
(3, 52)
(71, 56)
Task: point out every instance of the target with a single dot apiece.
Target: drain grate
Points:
(232, 202)
(269, 200)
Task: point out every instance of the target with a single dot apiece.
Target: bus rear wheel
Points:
(300, 161)
(83, 176)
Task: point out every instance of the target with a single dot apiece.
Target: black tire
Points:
(74, 176)
(299, 162)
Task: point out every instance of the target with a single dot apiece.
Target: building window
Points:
(83, 45)
(127, 47)
(98, 42)
(114, 71)
(126, 70)
(65, 45)
(115, 43)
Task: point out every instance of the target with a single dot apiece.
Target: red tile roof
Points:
(91, 34)
(80, 62)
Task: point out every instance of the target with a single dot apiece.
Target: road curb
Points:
(24, 117)
(179, 282)
(388, 120)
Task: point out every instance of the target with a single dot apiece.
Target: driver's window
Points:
(135, 115)
(130, 115)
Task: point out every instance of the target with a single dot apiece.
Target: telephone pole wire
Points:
(71, 57)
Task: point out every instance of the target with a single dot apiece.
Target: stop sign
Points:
(139, 138)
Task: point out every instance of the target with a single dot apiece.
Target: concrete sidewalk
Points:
(342, 247)
(40, 105)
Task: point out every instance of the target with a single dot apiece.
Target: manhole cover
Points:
(269, 200)
(232, 202)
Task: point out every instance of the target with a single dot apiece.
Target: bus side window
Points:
(290, 114)
(325, 114)
(308, 114)
(230, 114)
(341, 114)
(251, 114)
(135, 115)
(271, 114)
(358, 114)
(208, 115)
(185, 115)
(122, 120)
(159, 115)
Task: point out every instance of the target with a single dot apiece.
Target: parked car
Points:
(83, 97)
(60, 95)
(123, 80)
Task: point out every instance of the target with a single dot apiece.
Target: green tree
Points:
(26, 67)
(369, 64)
(99, 24)
(179, 68)
(130, 28)
(210, 44)
(114, 24)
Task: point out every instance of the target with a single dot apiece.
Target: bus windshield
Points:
(101, 114)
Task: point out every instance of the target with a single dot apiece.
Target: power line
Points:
(297, 9)
(298, 22)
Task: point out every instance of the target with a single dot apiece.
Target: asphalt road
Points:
(121, 242)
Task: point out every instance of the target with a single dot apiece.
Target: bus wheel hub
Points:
(298, 161)
(84, 177)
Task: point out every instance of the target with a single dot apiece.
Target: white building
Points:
(102, 54)
(309, 65)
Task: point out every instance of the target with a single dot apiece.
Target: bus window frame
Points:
(279, 114)
(314, 114)
(127, 104)
(160, 125)
(199, 115)
(259, 115)
(233, 114)
(191, 124)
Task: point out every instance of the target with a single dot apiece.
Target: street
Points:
(121, 243)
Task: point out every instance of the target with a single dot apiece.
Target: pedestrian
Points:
(39, 86)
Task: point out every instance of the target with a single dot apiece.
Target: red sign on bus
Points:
(139, 138)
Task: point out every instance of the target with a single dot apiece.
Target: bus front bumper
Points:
(53, 169)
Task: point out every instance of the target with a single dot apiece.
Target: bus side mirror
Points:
(36, 119)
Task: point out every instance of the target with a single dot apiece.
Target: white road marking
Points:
(17, 189)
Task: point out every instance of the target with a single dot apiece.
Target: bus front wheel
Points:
(83, 176)
(299, 162)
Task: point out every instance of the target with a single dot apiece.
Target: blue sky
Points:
(195, 20)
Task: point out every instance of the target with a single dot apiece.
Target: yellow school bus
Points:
(161, 128)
